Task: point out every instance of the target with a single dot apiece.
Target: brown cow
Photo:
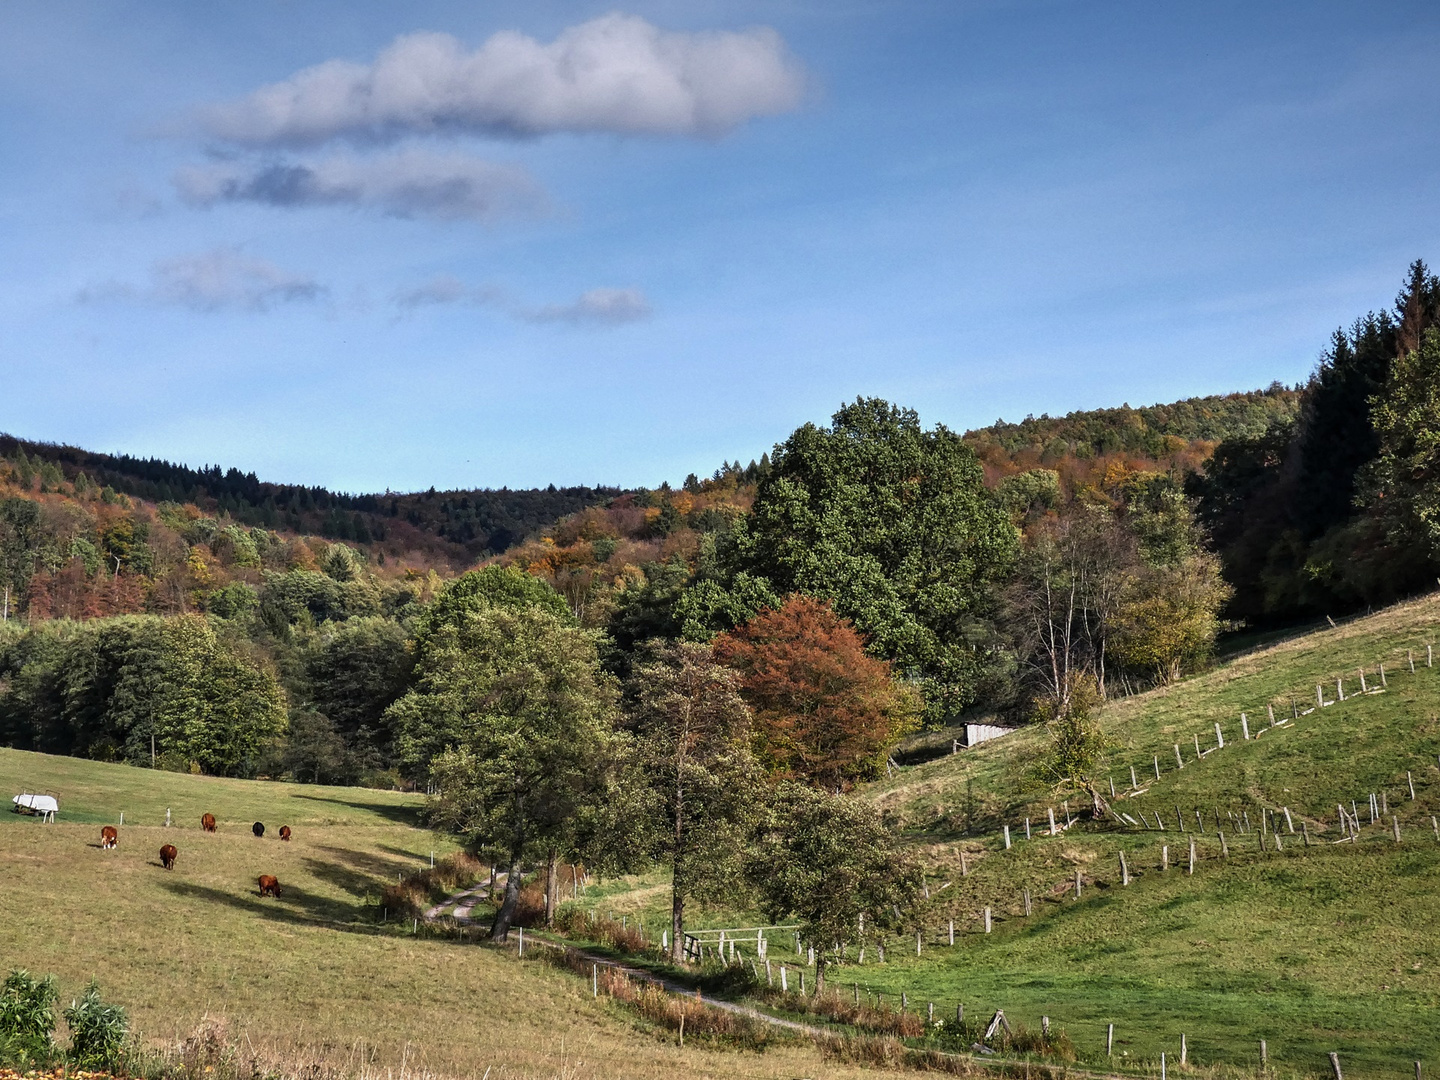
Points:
(167, 856)
(109, 837)
(269, 886)
(284, 832)
(207, 822)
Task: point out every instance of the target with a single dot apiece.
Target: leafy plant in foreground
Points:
(97, 1030)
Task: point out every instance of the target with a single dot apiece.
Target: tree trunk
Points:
(500, 931)
(820, 973)
(550, 884)
(677, 926)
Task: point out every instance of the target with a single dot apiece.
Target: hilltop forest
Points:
(206, 620)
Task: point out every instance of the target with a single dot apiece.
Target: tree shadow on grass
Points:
(401, 815)
(354, 882)
(374, 865)
(295, 905)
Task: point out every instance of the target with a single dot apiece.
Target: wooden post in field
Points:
(1335, 1059)
(1289, 824)
(1077, 883)
(1244, 728)
(1179, 761)
(1110, 1041)
(1435, 824)
(959, 1012)
(784, 980)
(1053, 830)
(1134, 783)
(1219, 738)
(1027, 828)
(1409, 779)
(1027, 891)
(1124, 870)
(769, 976)
(1383, 681)
(1179, 817)
(1363, 688)
(1112, 787)
(1045, 1026)
(522, 936)
(1224, 847)
(1007, 837)
(917, 942)
(1192, 856)
(1264, 1057)
(1271, 710)
(1306, 830)
(987, 920)
(1157, 766)
(1410, 658)
(1162, 1065)
(1198, 754)
(1184, 1053)
(952, 931)
(964, 870)
(1164, 856)
(595, 980)
(1429, 657)
(1395, 823)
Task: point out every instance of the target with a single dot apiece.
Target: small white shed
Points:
(47, 806)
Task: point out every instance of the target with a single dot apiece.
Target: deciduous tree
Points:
(825, 711)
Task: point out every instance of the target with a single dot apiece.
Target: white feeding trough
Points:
(46, 806)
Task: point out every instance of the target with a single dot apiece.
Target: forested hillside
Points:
(457, 526)
(1033, 569)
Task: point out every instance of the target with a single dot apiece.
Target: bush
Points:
(27, 1017)
(575, 923)
(97, 1030)
(410, 898)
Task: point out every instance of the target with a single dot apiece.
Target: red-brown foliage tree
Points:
(825, 711)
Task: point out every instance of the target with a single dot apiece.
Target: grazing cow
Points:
(109, 837)
(167, 856)
(207, 822)
(269, 886)
(258, 829)
(284, 832)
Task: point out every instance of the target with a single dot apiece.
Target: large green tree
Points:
(829, 861)
(893, 524)
(512, 718)
(699, 779)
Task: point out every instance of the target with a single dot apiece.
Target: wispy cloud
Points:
(617, 74)
(412, 183)
(214, 281)
(595, 307)
(610, 307)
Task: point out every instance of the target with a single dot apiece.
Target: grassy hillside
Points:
(1327, 947)
(313, 976)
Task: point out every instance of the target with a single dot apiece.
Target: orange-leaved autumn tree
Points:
(825, 711)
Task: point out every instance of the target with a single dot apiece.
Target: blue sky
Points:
(514, 244)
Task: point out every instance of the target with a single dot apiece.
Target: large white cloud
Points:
(213, 281)
(412, 183)
(617, 73)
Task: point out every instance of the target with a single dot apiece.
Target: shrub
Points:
(97, 1030)
(27, 1017)
(410, 898)
(573, 922)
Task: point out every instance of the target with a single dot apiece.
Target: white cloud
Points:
(596, 307)
(412, 183)
(213, 281)
(608, 306)
(617, 73)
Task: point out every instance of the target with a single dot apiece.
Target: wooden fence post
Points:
(1110, 1041)
(1179, 761)
(1409, 779)
(1264, 1057)
(1027, 897)
(1157, 766)
(1164, 856)
(987, 920)
(1077, 883)
(1224, 847)
(1192, 856)
(1335, 1062)
(1124, 870)
(952, 931)
(1051, 811)
(1134, 783)
(1244, 728)
(1395, 823)
(1184, 1053)
(1007, 837)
